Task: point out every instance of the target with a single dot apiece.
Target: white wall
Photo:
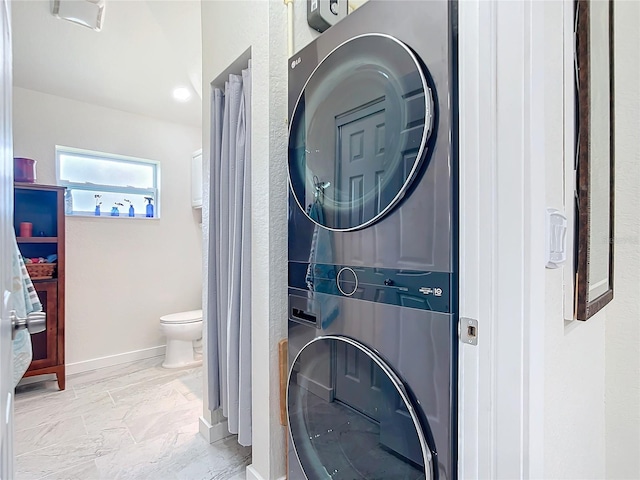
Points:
(622, 392)
(574, 355)
(302, 33)
(592, 369)
(122, 274)
(229, 28)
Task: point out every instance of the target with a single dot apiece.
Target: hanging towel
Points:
(25, 301)
(321, 274)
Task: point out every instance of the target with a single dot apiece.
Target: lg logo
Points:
(295, 62)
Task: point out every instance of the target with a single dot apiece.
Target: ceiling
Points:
(145, 49)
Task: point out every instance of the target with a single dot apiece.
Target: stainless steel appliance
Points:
(373, 246)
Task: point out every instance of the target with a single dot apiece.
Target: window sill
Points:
(121, 217)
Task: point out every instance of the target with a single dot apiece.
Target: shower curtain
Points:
(229, 305)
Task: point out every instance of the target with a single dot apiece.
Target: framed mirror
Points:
(594, 156)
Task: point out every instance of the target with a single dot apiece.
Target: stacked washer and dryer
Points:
(373, 246)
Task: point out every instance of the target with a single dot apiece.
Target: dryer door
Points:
(359, 132)
(350, 416)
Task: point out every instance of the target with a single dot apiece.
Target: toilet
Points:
(182, 330)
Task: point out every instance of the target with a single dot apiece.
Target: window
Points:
(106, 184)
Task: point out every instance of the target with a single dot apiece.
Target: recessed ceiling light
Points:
(182, 94)
(89, 13)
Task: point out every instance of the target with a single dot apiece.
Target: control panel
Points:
(406, 288)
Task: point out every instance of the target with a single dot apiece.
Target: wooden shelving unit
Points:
(43, 206)
(37, 240)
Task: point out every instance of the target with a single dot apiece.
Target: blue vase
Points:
(132, 212)
(115, 212)
(97, 211)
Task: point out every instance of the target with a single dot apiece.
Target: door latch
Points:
(468, 330)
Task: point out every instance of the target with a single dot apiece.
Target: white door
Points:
(360, 163)
(6, 216)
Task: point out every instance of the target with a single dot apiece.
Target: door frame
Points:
(6, 245)
(502, 276)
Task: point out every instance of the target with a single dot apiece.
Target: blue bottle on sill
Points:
(115, 212)
(149, 213)
(132, 212)
(97, 211)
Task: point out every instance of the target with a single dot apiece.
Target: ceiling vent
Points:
(88, 13)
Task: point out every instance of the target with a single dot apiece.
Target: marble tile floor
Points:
(131, 421)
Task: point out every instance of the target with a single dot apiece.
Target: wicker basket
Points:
(40, 271)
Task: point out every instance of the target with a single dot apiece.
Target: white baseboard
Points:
(215, 432)
(111, 360)
(252, 474)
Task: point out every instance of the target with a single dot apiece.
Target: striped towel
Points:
(25, 301)
(25, 297)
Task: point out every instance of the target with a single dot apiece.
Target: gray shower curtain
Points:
(229, 304)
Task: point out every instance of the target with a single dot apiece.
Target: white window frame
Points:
(150, 192)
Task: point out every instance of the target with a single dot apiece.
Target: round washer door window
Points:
(350, 416)
(359, 132)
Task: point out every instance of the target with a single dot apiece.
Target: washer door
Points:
(358, 132)
(350, 415)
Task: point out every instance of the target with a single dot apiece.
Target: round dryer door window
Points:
(359, 132)
(350, 415)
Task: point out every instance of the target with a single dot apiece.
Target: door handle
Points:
(35, 322)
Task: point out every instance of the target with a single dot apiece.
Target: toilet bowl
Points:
(182, 330)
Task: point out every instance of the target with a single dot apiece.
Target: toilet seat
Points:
(191, 316)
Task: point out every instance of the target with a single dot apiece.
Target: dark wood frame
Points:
(48, 293)
(585, 309)
(54, 291)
